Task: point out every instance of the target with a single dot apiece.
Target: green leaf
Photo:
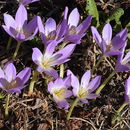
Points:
(91, 9)
(116, 16)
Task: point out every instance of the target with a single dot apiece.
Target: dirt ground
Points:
(39, 112)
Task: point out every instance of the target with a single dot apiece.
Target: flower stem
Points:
(34, 79)
(16, 50)
(105, 82)
(71, 108)
(62, 70)
(97, 64)
(9, 43)
(6, 105)
(117, 116)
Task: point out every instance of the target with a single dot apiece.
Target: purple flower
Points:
(50, 32)
(19, 29)
(26, 2)
(12, 82)
(74, 31)
(49, 59)
(108, 45)
(127, 91)
(84, 89)
(59, 90)
(123, 64)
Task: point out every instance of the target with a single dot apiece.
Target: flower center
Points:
(72, 30)
(108, 47)
(82, 92)
(11, 85)
(59, 94)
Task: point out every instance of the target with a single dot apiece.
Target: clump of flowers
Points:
(59, 90)
(83, 91)
(108, 45)
(18, 28)
(49, 59)
(75, 32)
(12, 82)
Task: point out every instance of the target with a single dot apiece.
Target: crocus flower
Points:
(19, 29)
(127, 91)
(12, 82)
(123, 64)
(49, 59)
(84, 89)
(51, 32)
(74, 31)
(108, 45)
(26, 2)
(59, 90)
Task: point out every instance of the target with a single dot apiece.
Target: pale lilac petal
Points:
(84, 100)
(32, 25)
(92, 96)
(3, 83)
(10, 72)
(40, 25)
(24, 75)
(59, 82)
(50, 49)
(20, 37)
(120, 68)
(67, 81)
(73, 19)
(86, 78)
(112, 52)
(37, 56)
(52, 72)
(107, 32)
(66, 51)
(68, 93)
(84, 25)
(61, 30)
(21, 16)
(74, 82)
(127, 86)
(9, 20)
(50, 26)
(94, 84)
(66, 13)
(14, 90)
(63, 104)
(127, 57)
(8, 31)
(50, 87)
(117, 42)
(74, 38)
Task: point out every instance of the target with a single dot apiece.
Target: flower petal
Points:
(74, 82)
(24, 75)
(73, 19)
(96, 36)
(10, 72)
(94, 84)
(66, 51)
(85, 79)
(37, 56)
(84, 25)
(9, 20)
(50, 26)
(107, 33)
(21, 16)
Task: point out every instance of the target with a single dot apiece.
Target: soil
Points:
(38, 111)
